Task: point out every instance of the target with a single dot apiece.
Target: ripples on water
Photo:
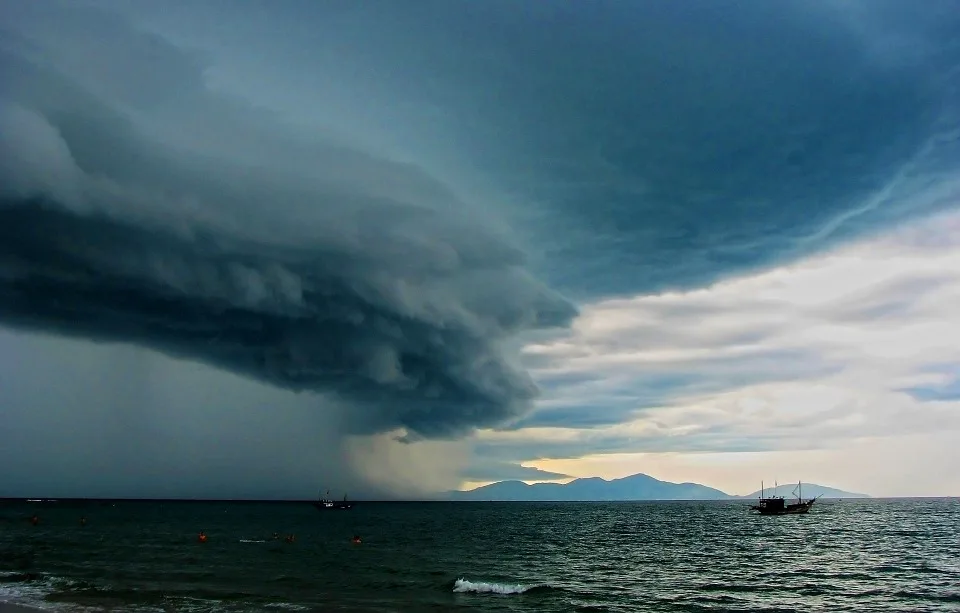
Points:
(852, 555)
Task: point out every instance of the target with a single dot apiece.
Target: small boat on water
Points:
(777, 505)
(325, 503)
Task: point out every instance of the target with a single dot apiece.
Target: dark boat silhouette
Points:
(326, 503)
(777, 505)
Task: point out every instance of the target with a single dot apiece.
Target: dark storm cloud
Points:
(631, 147)
(646, 146)
(338, 271)
(690, 142)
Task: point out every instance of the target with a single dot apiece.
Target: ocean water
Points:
(849, 555)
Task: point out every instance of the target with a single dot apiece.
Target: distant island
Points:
(810, 490)
(634, 487)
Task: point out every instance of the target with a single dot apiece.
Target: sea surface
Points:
(847, 555)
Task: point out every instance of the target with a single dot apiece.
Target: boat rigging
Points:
(325, 502)
(777, 505)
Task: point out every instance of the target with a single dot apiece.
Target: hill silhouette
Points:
(810, 490)
(634, 487)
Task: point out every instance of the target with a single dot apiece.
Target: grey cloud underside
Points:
(705, 441)
(634, 147)
(704, 434)
(651, 146)
(696, 144)
(93, 277)
(361, 278)
(576, 401)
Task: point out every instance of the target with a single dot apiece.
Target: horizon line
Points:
(9, 499)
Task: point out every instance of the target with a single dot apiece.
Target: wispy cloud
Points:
(856, 344)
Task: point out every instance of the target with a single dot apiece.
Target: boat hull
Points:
(777, 505)
(332, 506)
(791, 509)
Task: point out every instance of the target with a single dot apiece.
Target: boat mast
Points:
(761, 488)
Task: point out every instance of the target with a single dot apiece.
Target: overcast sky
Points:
(257, 249)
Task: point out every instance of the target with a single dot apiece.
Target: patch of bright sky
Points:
(866, 324)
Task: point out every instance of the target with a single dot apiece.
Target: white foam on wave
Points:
(33, 594)
(483, 587)
(251, 541)
(30, 594)
(287, 606)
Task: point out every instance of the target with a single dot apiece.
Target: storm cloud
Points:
(633, 147)
(349, 274)
(378, 206)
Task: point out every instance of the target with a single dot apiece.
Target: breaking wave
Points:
(483, 587)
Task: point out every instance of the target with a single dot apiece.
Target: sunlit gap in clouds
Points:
(818, 368)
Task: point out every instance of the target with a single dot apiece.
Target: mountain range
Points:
(634, 487)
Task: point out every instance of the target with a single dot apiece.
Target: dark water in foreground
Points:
(852, 555)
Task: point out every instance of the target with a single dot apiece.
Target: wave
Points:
(286, 606)
(252, 541)
(28, 589)
(483, 587)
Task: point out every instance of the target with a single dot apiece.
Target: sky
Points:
(265, 248)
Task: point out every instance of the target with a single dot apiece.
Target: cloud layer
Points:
(634, 148)
(379, 207)
(856, 345)
(308, 264)
(650, 147)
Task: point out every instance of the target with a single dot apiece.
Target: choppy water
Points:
(852, 555)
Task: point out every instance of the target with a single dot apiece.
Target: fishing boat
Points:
(777, 505)
(325, 503)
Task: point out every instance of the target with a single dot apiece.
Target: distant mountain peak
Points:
(632, 487)
(810, 490)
